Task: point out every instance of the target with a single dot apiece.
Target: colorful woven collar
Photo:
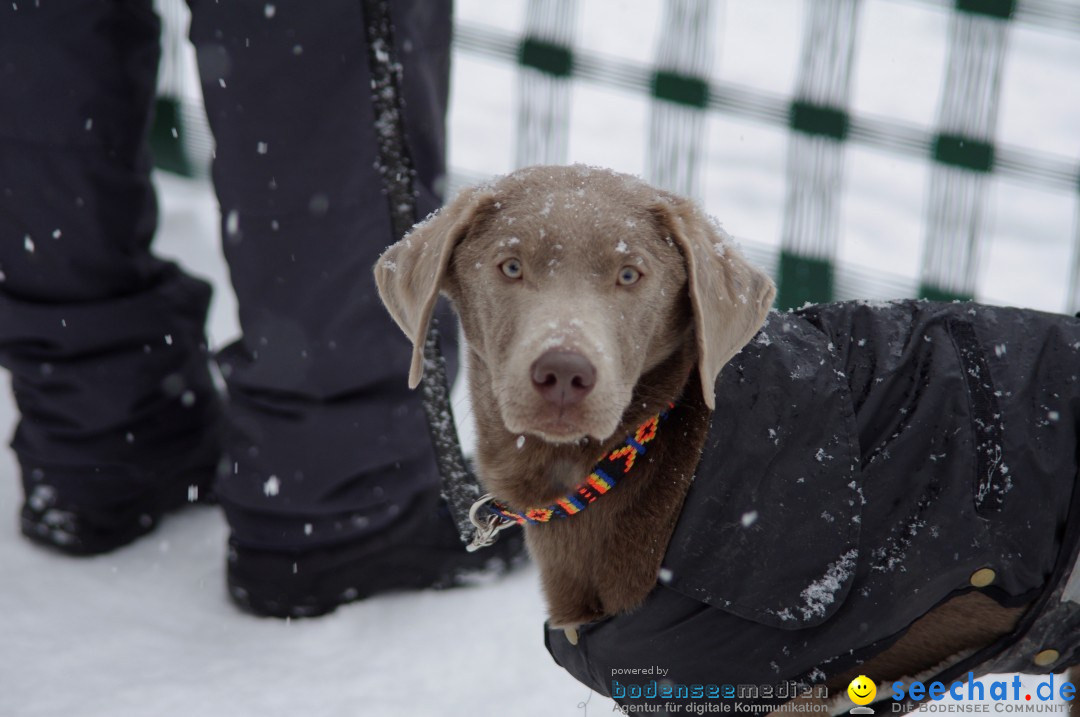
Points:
(605, 475)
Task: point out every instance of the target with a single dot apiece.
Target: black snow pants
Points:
(319, 436)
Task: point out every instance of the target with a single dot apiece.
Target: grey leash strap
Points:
(477, 527)
(460, 488)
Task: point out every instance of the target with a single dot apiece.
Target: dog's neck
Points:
(536, 473)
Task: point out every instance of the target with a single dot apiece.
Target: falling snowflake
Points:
(272, 486)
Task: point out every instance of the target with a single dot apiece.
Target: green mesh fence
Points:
(960, 146)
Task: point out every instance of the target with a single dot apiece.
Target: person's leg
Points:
(104, 341)
(330, 467)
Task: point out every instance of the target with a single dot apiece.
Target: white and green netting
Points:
(856, 148)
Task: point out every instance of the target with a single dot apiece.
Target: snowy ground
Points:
(148, 630)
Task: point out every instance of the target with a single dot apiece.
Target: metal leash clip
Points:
(487, 530)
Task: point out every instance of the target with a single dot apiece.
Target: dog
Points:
(695, 474)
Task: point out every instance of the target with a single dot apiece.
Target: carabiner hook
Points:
(487, 531)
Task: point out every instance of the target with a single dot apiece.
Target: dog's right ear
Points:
(410, 273)
(729, 296)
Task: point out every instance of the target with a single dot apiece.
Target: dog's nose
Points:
(563, 377)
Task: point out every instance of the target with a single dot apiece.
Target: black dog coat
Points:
(863, 462)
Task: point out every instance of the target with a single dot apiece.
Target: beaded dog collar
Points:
(601, 480)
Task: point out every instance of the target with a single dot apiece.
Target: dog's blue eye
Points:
(628, 275)
(511, 268)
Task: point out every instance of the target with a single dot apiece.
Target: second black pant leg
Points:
(327, 442)
(103, 340)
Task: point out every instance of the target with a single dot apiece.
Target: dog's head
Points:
(571, 283)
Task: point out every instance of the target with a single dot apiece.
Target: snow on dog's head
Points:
(571, 283)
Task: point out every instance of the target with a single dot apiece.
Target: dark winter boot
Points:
(104, 341)
(422, 550)
(80, 528)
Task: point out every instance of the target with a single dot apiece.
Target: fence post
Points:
(963, 150)
(545, 63)
(680, 92)
(1073, 298)
(815, 161)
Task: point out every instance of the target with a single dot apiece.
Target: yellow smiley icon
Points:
(862, 690)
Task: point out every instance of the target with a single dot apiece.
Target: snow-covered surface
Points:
(149, 631)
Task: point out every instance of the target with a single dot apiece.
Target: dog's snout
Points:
(563, 377)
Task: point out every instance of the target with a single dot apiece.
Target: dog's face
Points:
(571, 283)
(567, 294)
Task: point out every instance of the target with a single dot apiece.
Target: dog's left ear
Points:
(410, 273)
(729, 296)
